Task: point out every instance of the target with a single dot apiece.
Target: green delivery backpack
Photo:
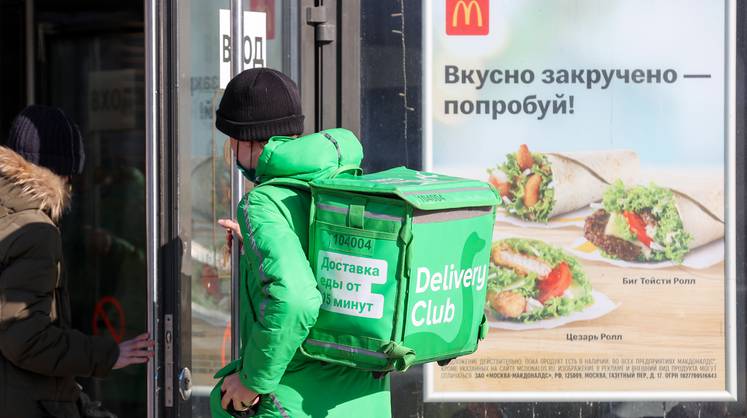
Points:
(401, 260)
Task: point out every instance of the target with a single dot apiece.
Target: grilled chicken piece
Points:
(521, 263)
(509, 304)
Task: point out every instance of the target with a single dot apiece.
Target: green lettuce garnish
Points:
(558, 307)
(540, 212)
(670, 233)
(501, 279)
(620, 226)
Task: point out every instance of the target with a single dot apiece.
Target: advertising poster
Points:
(607, 127)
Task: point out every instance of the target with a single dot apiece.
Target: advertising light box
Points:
(608, 129)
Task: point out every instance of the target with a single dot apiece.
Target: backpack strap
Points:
(285, 182)
(351, 169)
(402, 356)
(348, 169)
(484, 328)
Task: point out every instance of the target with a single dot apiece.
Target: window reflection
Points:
(91, 66)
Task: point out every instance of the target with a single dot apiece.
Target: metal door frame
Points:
(166, 247)
(168, 293)
(151, 198)
(328, 74)
(152, 84)
(329, 68)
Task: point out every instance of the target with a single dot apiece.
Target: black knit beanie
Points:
(45, 136)
(260, 103)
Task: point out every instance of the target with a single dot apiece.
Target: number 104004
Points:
(351, 243)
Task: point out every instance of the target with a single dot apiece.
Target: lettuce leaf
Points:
(670, 233)
(620, 226)
(501, 279)
(559, 306)
(540, 212)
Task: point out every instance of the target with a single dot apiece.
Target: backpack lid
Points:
(423, 190)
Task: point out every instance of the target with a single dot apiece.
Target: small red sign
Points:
(267, 6)
(467, 17)
(109, 311)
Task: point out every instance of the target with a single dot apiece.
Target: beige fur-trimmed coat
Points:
(40, 355)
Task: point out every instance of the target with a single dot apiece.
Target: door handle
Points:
(185, 383)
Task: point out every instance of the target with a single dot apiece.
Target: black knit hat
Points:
(45, 136)
(260, 103)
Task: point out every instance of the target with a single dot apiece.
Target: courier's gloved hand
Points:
(235, 392)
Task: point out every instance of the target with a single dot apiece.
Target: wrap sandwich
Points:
(530, 280)
(537, 186)
(653, 223)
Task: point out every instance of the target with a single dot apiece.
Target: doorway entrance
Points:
(87, 58)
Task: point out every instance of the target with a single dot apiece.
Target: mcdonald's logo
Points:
(467, 17)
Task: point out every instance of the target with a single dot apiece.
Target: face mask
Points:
(249, 173)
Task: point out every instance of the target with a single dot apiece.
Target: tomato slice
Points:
(555, 283)
(638, 227)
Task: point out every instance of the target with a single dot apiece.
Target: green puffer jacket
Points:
(40, 355)
(281, 302)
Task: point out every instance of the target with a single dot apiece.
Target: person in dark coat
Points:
(40, 355)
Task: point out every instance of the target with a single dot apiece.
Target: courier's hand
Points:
(234, 391)
(232, 227)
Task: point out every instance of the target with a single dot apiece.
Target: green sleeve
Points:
(289, 301)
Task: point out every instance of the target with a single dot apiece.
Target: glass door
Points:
(89, 62)
(205, 53)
